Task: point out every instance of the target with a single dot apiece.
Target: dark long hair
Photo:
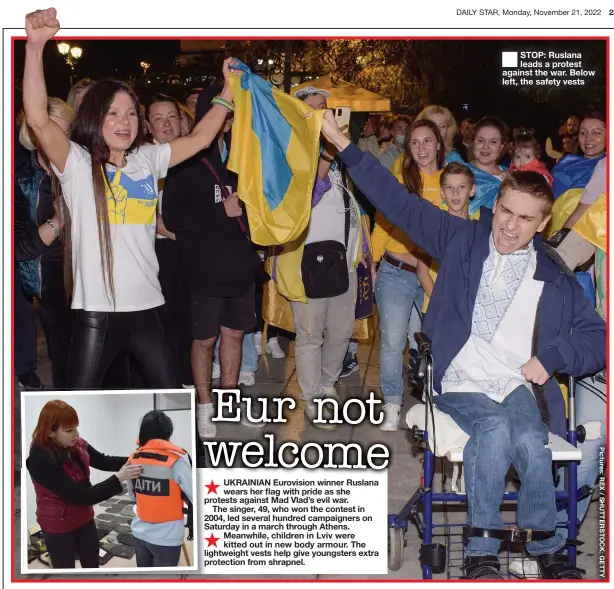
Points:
(86, 130)
(411, 170)
(65, 236)
(156, 425)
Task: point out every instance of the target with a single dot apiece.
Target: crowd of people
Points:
(168, 291)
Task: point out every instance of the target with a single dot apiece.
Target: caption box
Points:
(296, 521)
(544, 68)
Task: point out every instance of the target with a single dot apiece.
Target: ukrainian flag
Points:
(275, 152)
(487, 189)
(571, 175)
(592, 225)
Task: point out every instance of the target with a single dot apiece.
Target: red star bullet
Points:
(212, 540)
(212, 488)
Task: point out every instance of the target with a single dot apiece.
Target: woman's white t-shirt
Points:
(132, 218)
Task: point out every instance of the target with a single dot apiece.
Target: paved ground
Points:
(275, 377)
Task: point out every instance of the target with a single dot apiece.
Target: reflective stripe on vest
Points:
(158, 496)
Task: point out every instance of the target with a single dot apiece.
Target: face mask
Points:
(399, 140)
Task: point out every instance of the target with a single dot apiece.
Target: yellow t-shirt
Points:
(385, 235)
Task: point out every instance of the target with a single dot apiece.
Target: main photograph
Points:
(379, 264)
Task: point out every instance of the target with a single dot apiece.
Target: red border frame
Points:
(282, 38)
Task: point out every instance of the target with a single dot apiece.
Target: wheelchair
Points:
(447, 559)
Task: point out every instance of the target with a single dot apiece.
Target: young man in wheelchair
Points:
(503, 318)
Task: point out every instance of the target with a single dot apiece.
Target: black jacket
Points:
(48, 471)
(216, 255)
(41, 266)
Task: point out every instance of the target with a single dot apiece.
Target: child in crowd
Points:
(457, 188)
(526, 152)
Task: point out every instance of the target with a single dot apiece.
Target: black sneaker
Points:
(558, 566)
(30, 382)
(350, 366)
(482, 567)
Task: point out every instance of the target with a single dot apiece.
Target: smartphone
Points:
(342, 116)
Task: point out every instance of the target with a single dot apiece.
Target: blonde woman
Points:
(444, 119)
(77, 92)
(187, 120)
(39, 252)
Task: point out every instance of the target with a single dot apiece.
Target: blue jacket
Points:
(33, 205)
(461, 247)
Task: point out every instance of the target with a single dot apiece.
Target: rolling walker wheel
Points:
(396, 547)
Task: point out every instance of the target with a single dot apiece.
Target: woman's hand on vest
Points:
(534, 372)
(129, 472)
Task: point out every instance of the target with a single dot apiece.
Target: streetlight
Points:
(71, 55)
(63, 48)
(145, 67)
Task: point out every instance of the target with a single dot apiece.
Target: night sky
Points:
(478, 84)
(102, 59)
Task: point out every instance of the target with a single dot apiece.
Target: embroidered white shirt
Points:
(502, 331)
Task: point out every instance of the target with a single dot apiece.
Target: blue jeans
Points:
(398, 293)
(152, 555)
(590, 407)
(249, 356)
(502, 433)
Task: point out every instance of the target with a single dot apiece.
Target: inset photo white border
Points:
(110, 422)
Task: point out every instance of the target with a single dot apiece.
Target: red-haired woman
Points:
(59, 464)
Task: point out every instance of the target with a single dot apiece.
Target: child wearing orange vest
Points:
(160, 493)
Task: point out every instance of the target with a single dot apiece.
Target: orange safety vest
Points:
(158, 496)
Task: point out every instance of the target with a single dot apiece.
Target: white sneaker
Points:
(258, 342)
(216, 372)
(526, 568)
(311, 408)
(273, 348)
(206, 427)
(391, 417)
(247, 378)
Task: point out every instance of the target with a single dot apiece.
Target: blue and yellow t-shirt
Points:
(132, 198)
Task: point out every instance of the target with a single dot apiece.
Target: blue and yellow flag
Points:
(571, 175)
(592, 225)
(487, 189)
(573, 171)
(275, 152)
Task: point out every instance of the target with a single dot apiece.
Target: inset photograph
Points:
(109, 481)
